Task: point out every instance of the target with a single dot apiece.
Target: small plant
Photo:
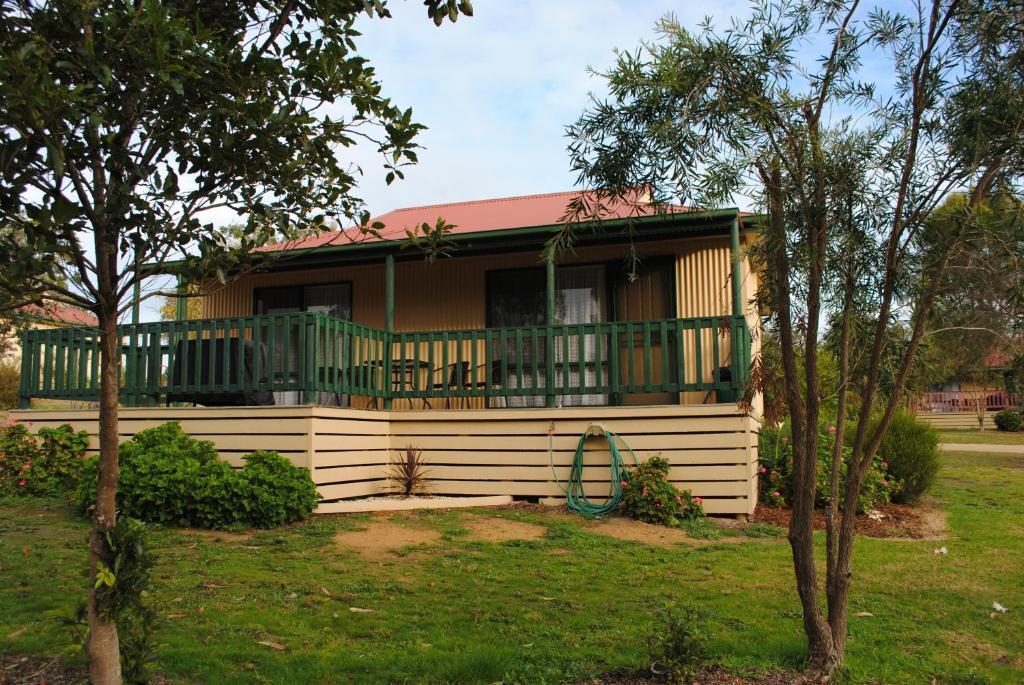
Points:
(647, 495)
(45, 464)
(408, 473)
(677, 646)
(121, 588)
(1009, 420)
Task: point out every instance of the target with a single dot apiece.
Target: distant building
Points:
(49, 315)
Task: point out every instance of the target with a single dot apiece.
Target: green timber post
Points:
(740, 344)
(136, 352)
(181, 304)
(549, 348)
(29, 377)
(389, 324)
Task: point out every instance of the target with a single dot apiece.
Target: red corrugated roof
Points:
(498, 214)
(54, 312)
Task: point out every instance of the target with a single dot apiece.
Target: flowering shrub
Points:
(776, 472)
(648, 496)
(45, 464)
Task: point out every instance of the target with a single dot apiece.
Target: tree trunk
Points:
(104, 649)
(823, 657)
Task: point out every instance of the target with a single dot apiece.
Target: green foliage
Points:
(677, 645)
(775, 481)
(45, 464)
(122, 586)
(1009, 420)
(169, 477)
(910, 455)
(10, 380)
(647, 495)
(274, 492)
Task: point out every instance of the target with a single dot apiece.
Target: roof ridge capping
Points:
(482, 201)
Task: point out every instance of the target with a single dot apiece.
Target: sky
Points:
(497, 90)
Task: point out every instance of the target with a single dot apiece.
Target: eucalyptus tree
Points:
(847, 126)
(123, 124)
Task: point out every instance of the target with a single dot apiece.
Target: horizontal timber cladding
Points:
(952, 420)
(235, 431)
(712, 448)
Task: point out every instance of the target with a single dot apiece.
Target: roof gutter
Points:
(684, 222)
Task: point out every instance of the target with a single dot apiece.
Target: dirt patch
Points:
(889, 521)
(622, 528)
(707, 676)
(16, 669)
(383, 538)
(496, 529)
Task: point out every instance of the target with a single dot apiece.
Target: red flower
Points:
(21, 483)
(698, 500)
(624, 484)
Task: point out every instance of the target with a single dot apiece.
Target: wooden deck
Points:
(712, 448)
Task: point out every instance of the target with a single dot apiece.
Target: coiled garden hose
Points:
(575, 497)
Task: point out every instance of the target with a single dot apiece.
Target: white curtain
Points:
(580, 299)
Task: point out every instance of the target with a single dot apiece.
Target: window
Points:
(333, 299)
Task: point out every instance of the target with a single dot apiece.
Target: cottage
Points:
(492, 361)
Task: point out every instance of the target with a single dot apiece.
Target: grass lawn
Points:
(986, 437)
(556, 609)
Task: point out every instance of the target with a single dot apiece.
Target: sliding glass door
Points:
(518, 297)
(332, 299)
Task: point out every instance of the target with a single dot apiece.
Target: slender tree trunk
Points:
(104, 648)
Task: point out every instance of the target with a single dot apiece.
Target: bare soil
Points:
(495, 529)
(383, 538)
(23, 670)
(622, 528)
(896, 521)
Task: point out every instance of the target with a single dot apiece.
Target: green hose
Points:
(575, 498)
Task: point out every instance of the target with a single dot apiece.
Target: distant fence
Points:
(961, 401)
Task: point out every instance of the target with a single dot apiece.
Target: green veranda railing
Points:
(322, 359)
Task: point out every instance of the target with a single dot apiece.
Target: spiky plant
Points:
(408, 473)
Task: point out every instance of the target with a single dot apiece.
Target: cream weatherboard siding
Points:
(712, 449)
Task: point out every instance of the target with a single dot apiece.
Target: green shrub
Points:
(45, 464)
(677, 646)
(10, 381)
(168, 477)
(910, 452)
(776, 473)
(1009, 420)
(274, 491)
(647, 495)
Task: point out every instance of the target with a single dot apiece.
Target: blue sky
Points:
(496, 90)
